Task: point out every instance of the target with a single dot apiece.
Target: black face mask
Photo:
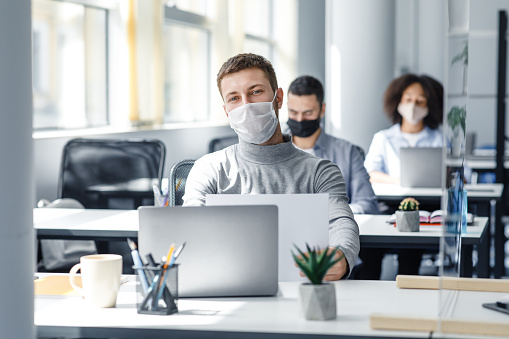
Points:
(303, 128)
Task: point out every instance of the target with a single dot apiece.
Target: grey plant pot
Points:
(407, 221)
(318, 302)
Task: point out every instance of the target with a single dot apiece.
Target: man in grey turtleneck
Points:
(265, 160)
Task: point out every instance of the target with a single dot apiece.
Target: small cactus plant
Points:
(409, 204)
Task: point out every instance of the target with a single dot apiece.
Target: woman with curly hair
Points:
(414, 103)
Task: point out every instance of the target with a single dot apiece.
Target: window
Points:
(120, 63)
(69, 65)
(186, 40)
(258, 27)
(198, 37)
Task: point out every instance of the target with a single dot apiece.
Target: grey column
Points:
(311, 39)
(360, 64)
(16, 193)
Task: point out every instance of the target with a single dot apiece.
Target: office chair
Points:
(61, 255)
(177, 181)
(223, 142)
(90, 163)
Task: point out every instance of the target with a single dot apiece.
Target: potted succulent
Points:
(407, 217)
(456, 120)
(318, 299)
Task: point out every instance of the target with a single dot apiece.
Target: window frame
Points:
(270, 39)
(106, 6)
(175, 16)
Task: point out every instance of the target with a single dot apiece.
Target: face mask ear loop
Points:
(272, 102)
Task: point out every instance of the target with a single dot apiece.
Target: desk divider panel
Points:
(460, 301)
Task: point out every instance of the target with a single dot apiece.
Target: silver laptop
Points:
(303, 218)
(230, 250)
(421, 166)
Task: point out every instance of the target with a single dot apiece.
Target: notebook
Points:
(230, 250)
(421, 166)
(303, 218)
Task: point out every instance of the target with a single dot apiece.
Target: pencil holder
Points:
(161, 296)
(161, 199)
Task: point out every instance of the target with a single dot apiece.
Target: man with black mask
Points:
(305, 110)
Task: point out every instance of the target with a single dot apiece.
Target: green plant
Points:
(456, 117)
(315, 263)
(409, 204)
(463, 56)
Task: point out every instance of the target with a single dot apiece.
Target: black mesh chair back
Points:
(220, 143)
(178, 180)
(92, 162)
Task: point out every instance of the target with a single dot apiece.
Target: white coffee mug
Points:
(100, 277)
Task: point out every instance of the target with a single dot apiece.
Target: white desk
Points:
(376, 232)
(267, 317)
(488, 194)
(476, 193)
(484, 163)
(59, 223)
(100, 224)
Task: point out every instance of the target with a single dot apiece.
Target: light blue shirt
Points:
(383, 154)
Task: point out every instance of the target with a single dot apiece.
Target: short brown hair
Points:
(244, 61)
(433, 91)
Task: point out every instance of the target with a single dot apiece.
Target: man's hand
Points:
(337, 271)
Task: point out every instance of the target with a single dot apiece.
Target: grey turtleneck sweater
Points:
(247, 168)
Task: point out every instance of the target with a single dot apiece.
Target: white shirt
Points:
(383, 154)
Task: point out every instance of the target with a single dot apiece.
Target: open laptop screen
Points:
(421, 166)
(303, 218)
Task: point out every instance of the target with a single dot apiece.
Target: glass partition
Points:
(474, 66)
(454, 200)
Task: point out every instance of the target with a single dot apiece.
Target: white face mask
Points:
(255, 122)
(411, 113)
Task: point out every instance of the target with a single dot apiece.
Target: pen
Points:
(161, 278)
(137, 262)
(178, 251)
(158, 195)
(170, 259)
(156, 190)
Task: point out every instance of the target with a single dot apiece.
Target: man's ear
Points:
(323, 110)
(279, 97)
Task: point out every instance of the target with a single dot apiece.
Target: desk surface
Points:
(121, 224)
(374, 230)
(63, 223)
(476, 192)
(484, 162)
(264, 317)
